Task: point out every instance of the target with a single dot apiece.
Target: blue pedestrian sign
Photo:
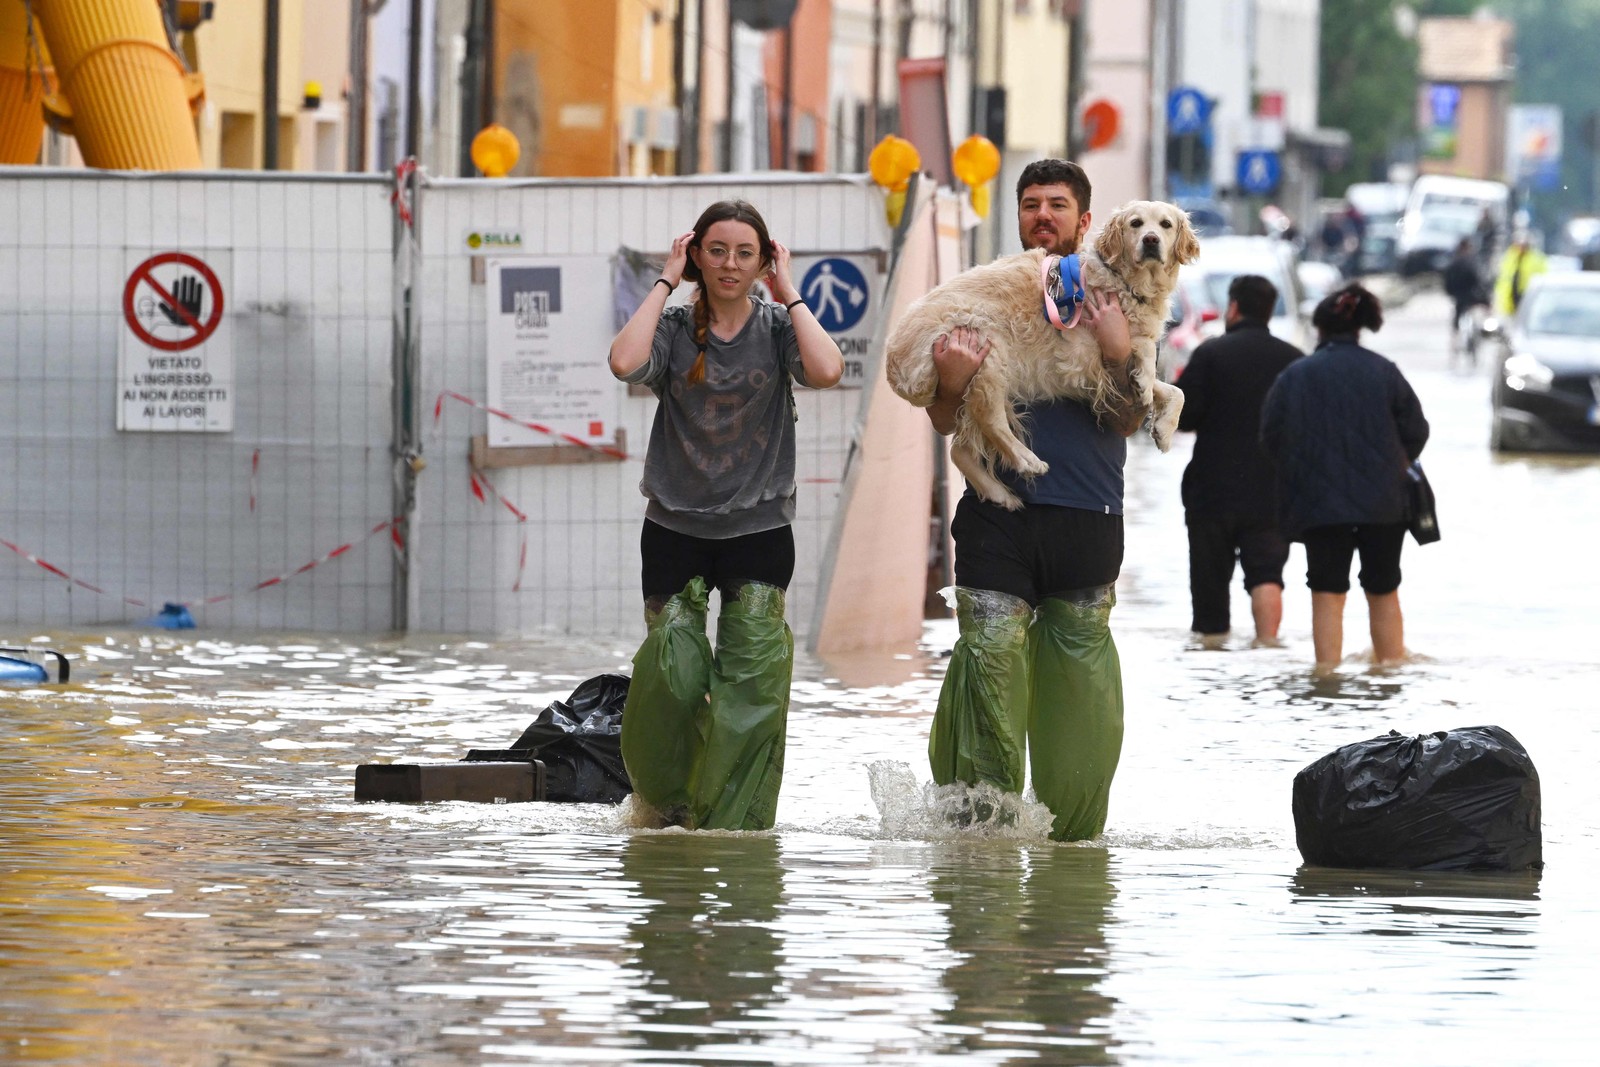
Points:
(1259, 171)
(836, 292)
(1188, 111)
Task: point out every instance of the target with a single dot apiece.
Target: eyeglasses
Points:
(743, 258)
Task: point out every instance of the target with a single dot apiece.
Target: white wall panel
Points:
(157, 517)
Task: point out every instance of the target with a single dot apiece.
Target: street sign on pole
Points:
(1259, 172)
(1188, 111)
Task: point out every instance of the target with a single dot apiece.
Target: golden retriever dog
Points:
(1134, 258)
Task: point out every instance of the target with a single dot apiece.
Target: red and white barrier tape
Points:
(401, 198)
(392, 525)
(59, 573)
(480, 483)
(605, 450)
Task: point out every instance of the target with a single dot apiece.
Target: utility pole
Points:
(413, 82)
(1160, 87)
(269, 91)
(474, 83)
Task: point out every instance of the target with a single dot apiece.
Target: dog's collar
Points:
(1062, 277)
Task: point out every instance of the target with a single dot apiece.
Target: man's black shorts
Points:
(1036, 552)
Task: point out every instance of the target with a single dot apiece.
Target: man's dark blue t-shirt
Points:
(1085, 461)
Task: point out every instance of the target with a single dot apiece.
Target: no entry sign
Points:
(176, 309)
(175, 351)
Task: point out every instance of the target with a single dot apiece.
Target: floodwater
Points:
(185, 878)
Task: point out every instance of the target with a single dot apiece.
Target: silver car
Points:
(1546, 394)
(1223, 259)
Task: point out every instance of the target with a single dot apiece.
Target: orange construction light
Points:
(495, 150)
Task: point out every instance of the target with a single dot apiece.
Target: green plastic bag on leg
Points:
(741, 764)
(666, 700)
(1075, 732)
(979, 728)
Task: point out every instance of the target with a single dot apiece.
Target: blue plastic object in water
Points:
(20, 670)
(172, 617)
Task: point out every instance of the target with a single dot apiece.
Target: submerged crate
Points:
(485, 783)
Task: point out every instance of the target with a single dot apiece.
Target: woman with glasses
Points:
(703, 733)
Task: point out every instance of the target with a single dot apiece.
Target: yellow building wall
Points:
(313, 45)
(1036, 76)
(555, 74)
(643, 74)
(570, 76)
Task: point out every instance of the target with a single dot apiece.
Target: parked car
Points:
(1224, 258)
(1439, 212)
(1547, 392)
(1381, 205)
(1209, 218)
(1317, 280)
(1192, 319)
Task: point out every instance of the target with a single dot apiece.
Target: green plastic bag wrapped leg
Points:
(1075, 731)
(741, 764)
(661, 720)
(979, 728)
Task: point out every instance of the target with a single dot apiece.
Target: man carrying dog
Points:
(1229, 499)
(1035, 667)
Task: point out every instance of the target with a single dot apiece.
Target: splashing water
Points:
(913, 810)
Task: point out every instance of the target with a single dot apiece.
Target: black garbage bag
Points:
(1457, 800)
(579, 741)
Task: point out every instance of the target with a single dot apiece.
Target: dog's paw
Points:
(1030, 466)
(1162, 436)
(1008, 500)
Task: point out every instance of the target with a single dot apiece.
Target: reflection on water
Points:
(185, 877)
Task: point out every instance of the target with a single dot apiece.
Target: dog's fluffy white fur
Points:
(1135, 258)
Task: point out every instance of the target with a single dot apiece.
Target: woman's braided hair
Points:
(1348, 310)
(721, 211)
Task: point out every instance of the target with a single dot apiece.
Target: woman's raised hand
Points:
(677, 259)
(779, 280)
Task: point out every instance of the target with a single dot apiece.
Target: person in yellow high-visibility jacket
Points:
(1518, 266)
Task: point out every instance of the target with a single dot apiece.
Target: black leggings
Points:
(671, 559)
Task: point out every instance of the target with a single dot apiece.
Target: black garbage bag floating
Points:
(1457, 800)
(579, 741)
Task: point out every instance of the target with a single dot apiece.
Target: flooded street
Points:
(186, 879)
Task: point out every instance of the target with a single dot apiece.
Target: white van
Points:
(1439, 212)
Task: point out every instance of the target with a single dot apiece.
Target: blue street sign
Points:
(1188, 111)
(1259, 171)
(836, 292)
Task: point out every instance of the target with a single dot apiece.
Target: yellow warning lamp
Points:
(974, 162)
(495, 150)
(313, 96)
(892, 163)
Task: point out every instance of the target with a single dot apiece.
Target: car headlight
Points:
(1525, 372)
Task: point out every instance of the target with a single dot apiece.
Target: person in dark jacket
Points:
(1228, 501)
(1464, 286)
(1341, 426)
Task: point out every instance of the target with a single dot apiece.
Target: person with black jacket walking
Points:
(1341, 426)
(1228, 500)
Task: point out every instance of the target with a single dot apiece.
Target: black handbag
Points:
(1424, 522)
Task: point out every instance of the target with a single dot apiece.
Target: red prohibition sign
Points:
(145, 272)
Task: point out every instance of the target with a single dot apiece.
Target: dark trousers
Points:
(670, 559)
(1215, 543)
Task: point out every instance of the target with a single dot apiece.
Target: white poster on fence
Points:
(548, 334)
(844, 290)
(175, 343)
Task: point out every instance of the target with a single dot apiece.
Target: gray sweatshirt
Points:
(721, 457)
